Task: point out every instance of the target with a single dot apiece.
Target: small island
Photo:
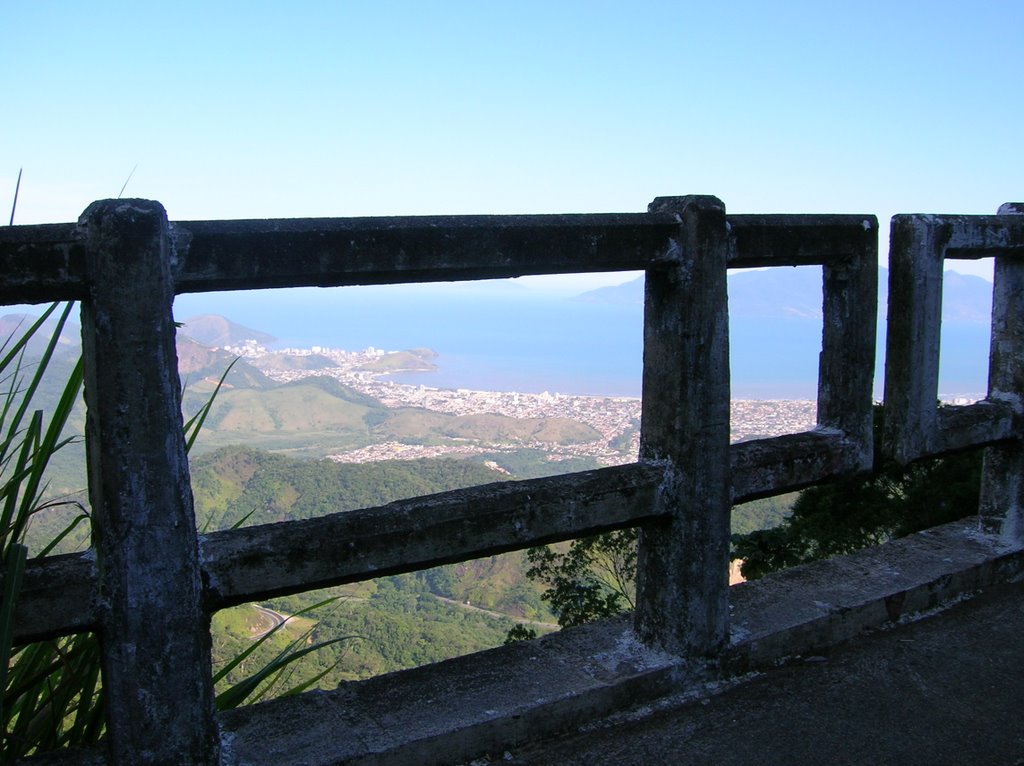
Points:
(411, 360)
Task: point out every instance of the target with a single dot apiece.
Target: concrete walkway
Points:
(947, 689)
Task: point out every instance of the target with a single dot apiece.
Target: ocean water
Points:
(486, 339)
(503, 337)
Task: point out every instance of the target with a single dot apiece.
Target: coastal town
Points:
(616, 419)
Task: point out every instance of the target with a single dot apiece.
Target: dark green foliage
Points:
(765, 513)
(374, 418)
(520, 632)
(50, 689)
(594, 578)
(404, 630)
(845, 516)
(441, 580)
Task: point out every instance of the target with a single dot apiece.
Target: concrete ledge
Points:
(810, 607)
(492, 701)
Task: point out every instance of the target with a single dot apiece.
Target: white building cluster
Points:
(615, 418)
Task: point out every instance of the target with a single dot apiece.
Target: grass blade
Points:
(195, 423)
(16, 556)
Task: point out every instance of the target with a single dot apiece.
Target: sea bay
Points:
(501, 336)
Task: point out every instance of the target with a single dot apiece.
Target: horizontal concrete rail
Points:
(797, 240)
(266, 560)
(241, 255)
(975, 425)
(765, 467)
(45, 263)
(970, 237)
(58, 597)
(258, 562)
(41, 263)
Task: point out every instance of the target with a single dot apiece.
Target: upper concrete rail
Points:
(45, 262)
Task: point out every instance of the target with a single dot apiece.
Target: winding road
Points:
(276, 619)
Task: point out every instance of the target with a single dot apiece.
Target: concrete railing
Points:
(150, 583)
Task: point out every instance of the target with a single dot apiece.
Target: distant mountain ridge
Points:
(218, 331)
(796, 292)
(15, 325)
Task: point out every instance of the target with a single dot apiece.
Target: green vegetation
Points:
(399, 623)
(594, 577)
(51, 689)
(845, 516)
(532, 463)
(273, 673)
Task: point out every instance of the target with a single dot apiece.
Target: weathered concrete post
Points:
(155, 634)
(916, 252)
(846, 368)
(683, 567)
(1002, 481)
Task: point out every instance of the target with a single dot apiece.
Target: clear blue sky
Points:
(258, 109)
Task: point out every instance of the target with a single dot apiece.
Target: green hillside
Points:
(293, 362)
(318, 416)
(289, 408)
(235, 481)
(410, 423)
(201, 367)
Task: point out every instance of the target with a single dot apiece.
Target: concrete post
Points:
(846, 367)
(1002, 483)
(155, 633)
(916, 251)
(682, 574)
